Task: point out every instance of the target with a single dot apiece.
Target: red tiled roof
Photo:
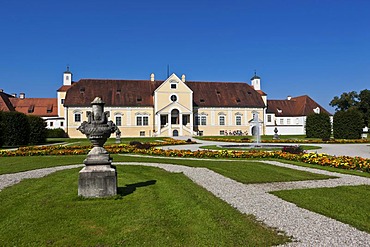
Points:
(64, 88)
(224, 94)
(296, 106)
(112, 92)
(43, 107)
(140, 93)
(5, 104)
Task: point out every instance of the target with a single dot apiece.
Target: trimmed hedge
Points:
(1, 130)
(16, 129)
(318, 126)
(56, 133)
(347, 124)
(37, 130)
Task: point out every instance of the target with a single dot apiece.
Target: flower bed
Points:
(344, 162)
(308, 141)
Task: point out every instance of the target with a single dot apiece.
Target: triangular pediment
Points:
(174, 105)
(173, 79)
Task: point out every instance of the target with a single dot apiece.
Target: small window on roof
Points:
(218, 92)
(118, 91)
(139, 98)
(202, 100)
(82, 90)
(31, 108)
(238, 100)
(249, 92)
(49, 108)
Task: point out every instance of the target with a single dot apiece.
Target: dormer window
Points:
(31, 108)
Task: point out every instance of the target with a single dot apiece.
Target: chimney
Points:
(14, 95)
(152, 77)
(183, 78)
(22, 95)
(289, 97)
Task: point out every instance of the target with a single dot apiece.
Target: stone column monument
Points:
(98, 178)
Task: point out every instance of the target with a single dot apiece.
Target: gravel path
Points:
(307, 228)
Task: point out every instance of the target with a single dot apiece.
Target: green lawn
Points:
(348, 204)
(86, 142)
(242, 171)
(263, 137)
(215, 147)
(153, 208)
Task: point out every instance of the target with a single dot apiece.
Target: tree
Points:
(364, 105)
(348, 124)
(345, 102)
(37, 130)
(353, 100)
(318, 126)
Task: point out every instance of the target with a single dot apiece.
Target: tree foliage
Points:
(353, 100)
(16, 128)
(1, 130)
(318, 126)
(348, 124)
(37, 130)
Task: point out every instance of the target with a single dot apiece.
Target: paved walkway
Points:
(306, 228)
(361, 150)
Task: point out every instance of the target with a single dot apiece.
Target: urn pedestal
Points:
(97, 181)
(98, 178)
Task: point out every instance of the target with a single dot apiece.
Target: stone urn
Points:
(98, 178)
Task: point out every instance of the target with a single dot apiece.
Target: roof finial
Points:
(255, 73)
(67, 67)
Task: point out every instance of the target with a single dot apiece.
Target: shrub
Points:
(1, 130)
(37, 130)
(140, 145)
(16, 129)
(347, 124)
(56, 133)
(318, 126)
(293, 149)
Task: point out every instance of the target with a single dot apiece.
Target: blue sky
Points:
(315, 47)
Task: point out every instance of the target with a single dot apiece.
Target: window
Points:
(173, 98)
(222, 132)
(222, 120)
(77, 117)
(62, 101)
(238, 120)
(142, 120)
(142, 133)
(269, 120)
(173, 85)
(118, 120)
(201, 120)
(288, 121)
(297, 121)
(281, 121)
(51, 124)
(62, 124)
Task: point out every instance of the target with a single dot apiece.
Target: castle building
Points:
(171, 107)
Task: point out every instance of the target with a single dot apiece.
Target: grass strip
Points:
(239, 170)
(153, 208)
(348, 204)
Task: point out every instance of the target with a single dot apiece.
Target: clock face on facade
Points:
(173, 98)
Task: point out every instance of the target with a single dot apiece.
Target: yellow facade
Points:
(173, 114)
